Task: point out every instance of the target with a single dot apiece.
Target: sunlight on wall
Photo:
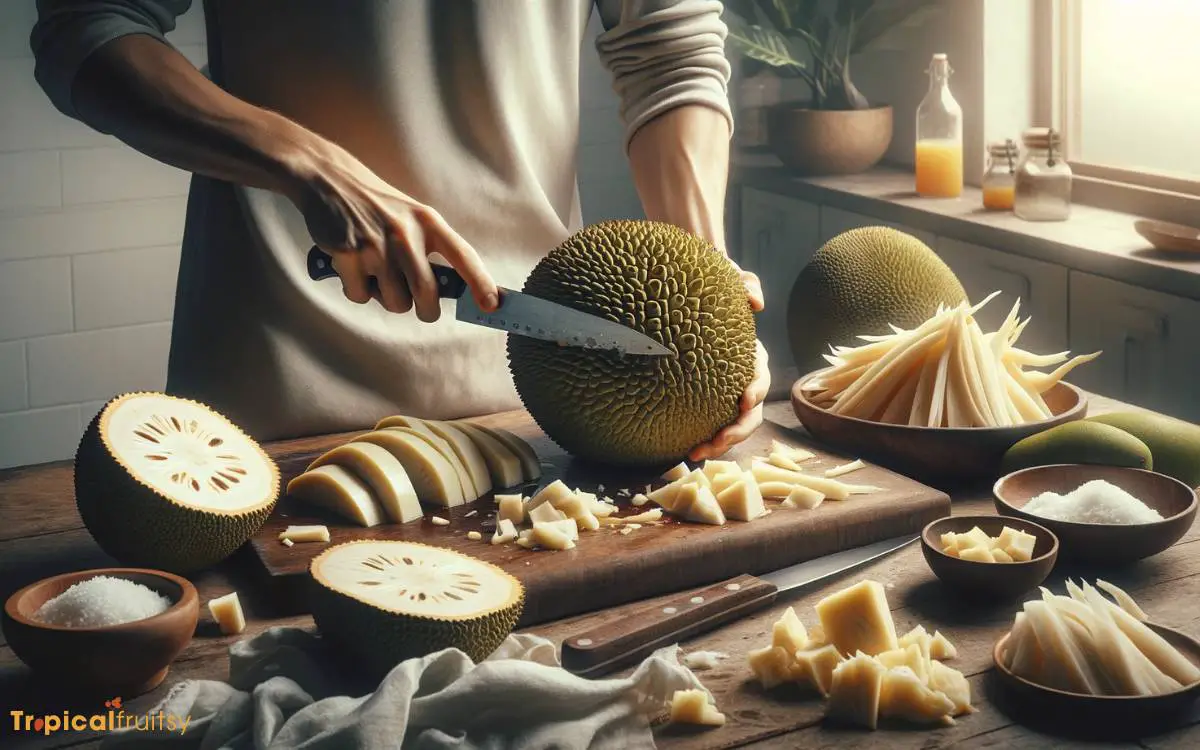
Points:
(1140, 97)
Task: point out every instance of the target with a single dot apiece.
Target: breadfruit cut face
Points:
(164, 482)
(860, 282)
(633, 410)
(383, 602)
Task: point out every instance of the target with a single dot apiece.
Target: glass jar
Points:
(999, 181)
(1043, 179)
(939, 147)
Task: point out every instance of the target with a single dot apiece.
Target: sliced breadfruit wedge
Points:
(383, 473)
(503, 463)
(337, 490)
(432, 475)
(382, 602)
(168, 483)
(531, 466)
(465, 485)
(468, 454)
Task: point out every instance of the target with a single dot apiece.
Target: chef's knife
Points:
(523, 314)
(606, 648)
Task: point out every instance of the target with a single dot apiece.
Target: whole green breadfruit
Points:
(637, 410)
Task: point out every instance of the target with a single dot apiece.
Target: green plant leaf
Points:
(762, 44)
(889, 16)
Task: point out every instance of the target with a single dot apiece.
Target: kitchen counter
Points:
(41, 534)
(1093, 240)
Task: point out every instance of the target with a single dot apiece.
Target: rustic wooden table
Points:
(41, 534)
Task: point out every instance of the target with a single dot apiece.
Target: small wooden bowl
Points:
(124, 660)
(1129, 716)
(939, 454)
(1101, 543)
(983, 580)
(1168, 237)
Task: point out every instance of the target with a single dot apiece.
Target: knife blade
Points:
(634, 636)
(524, 314)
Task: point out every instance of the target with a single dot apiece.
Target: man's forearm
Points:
(151, 97)
(680, 163)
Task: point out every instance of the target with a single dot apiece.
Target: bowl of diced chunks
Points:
(990, 557)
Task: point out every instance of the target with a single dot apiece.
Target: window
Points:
(1126, 96)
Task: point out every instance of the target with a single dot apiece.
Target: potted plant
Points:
(837, 131)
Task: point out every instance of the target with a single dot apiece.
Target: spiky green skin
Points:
(1174, 444)
(1080, 442)
(378, 640)
(138, 527)
(632, 410)
(858, 283)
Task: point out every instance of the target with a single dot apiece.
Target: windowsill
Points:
(1093, 240)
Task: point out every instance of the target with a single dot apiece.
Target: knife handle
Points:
(450, 284)
(634, 636)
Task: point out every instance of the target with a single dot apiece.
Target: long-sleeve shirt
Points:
(469, 106)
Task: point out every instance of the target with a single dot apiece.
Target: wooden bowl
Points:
(983, 580)
(1168, 237)
(1101, 543)
(1129, 716)
(938, 454)
(119, 660)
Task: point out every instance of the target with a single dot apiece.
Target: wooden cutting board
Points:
(607, 568)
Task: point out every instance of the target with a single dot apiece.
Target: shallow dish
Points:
(1128, 716)
(125, 660)
(938, 454)
(1163, 235)
(1101, 543)
(984, 580)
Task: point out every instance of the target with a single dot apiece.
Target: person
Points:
(386, 132)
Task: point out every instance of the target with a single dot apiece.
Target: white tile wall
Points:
(84, 220)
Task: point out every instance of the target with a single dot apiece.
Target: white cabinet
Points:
(834, 221)
(1149, 342)
(778, 237)
(1041, 287)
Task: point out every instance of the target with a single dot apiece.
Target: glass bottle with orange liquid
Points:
(939, 156)
(1000, 179)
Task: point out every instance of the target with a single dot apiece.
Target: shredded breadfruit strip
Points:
(937, 401)
(845, 468)
(981, 409)
(1022, 358)
(923, 397)
(649, 516)
(1043, 381)
(1022, 380)
(900, 405)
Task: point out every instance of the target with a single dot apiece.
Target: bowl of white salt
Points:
(112, 631)
(1102, 515)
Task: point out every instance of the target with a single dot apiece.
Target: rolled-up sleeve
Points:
(664, 54)
(67, 31)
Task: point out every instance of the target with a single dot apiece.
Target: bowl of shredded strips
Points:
(1104, 515)
(112, 631)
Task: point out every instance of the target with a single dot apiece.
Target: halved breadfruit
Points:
(383, 602)
(165, 482)
(531, 467)
(383, 473)
(335, 489)
(432, 475)
(503, 463)
(468, 453)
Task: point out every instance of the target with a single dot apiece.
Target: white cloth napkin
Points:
(284, 691)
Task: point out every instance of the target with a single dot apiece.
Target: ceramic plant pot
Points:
(829, 142)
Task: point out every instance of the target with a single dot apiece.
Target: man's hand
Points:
(380, 238)
(752, 400)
